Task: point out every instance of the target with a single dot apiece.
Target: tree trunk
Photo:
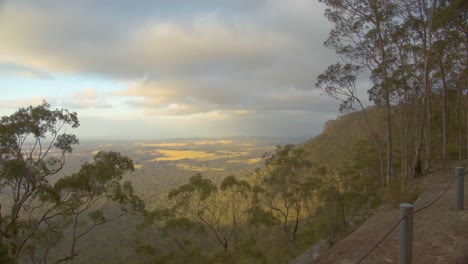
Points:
(427, 108)
(386, 87)
(417, 167)
(459, 124)
(376, 143)
(404, 135)
(427, 85)
(444, 112)
(390, 174)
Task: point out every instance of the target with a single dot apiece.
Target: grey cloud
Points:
(77, 38)
(275, 123)
(205, 95)
(74, 41)
(260, 58)
(85, 99)
(23, 71)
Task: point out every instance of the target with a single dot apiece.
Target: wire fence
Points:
(402, 218)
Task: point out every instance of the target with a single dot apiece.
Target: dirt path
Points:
(440, 233)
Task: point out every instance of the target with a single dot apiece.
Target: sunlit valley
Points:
(162, 165)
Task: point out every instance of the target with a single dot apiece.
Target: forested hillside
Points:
(416, 55)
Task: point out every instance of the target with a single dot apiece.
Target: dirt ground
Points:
(440, 233)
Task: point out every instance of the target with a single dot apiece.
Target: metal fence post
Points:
(459, 187)
(406, 233)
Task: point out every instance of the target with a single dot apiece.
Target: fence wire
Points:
(380, 241)
(397, 223)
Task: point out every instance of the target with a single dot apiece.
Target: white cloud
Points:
(213, 60)
(84, 99)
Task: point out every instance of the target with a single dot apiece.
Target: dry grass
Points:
(196, 168)
(248, 161)
(212, 142)
(172, 155)
(183, 154)
(172, 144)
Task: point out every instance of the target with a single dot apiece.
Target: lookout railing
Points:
(406, 219)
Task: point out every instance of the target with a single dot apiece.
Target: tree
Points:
(203, 217)
(339, 82)
(361, 36)
(452, 33)
(33, 149)
(288, 189)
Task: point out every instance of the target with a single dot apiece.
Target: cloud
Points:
(67, 42)
(85, 99)
(210, 60)
(17, 70)
(70, 39)
(205, 42)
(24, 102)
(222, 98)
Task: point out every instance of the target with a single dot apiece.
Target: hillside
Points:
(336, 145)
(440, 233)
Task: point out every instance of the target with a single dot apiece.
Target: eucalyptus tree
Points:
(37, 211)
(339, 82)
(419, 17)
(451, 51)
(361, 36)
(288, 191)
(204, 223)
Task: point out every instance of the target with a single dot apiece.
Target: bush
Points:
(399, 191)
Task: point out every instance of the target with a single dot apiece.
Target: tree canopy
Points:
(38, 211)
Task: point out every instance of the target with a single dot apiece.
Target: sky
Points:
(154, 69)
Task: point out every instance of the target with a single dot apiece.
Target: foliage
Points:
(5, 255)
(202, 217)
(401, 191)
(44, 213)
(339, 82)
(288, 190)
(416, 55)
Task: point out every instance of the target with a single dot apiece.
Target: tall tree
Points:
(361, 37)
(289, 187)
(33, 148)
(203, 223)
(339, 82)
(420, 15)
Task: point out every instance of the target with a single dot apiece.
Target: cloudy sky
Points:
(176, 68)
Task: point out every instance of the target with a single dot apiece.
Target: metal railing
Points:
(406, 219)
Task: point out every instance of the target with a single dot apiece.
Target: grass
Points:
(173, 155)
(248, 161)
(197, 168)
(170, 155)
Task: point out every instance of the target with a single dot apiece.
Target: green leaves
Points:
(197, 184)
(339, 82)
(287, 190)
(38, 121)
(231, 182)
(65, 142)
(32, 149)
(97, 177)
(97, 216)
